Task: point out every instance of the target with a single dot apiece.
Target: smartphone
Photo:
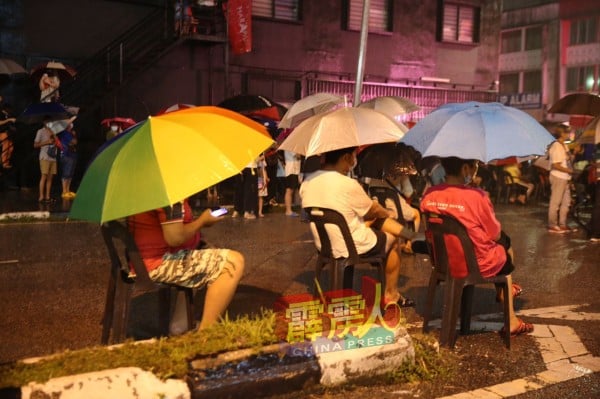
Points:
(219, 212)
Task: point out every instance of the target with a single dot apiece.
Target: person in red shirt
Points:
(169, 242)
(473, 209)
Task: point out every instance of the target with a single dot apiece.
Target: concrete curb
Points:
(280, 368)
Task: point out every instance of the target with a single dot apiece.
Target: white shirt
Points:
(330, 189)
(559, 153)
(292, 163)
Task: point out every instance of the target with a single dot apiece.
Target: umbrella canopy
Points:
(118, 120)
(591, 133)
(175, 107)
(8, 68)
(309, 106)
(64, 71)
(249, 104)
(165, 159)
(44, 112)
(383, 160)
(391, 105)
(483, 131)
(577, 104)
(342, 128)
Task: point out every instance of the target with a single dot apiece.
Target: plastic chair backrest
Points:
(383, 193)
(452, 247)
(115, 230)
(323, 216)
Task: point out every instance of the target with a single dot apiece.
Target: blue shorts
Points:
(67, 167)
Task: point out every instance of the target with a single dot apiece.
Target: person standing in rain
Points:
(561, 170)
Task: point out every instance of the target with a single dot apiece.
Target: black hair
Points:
(332, 157)
(453, 165)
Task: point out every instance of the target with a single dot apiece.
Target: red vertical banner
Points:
(239, 16)
(565, 35)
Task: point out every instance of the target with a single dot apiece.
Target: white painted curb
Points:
(122, 383)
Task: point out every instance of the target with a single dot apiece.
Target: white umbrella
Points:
(342, 128)
(391, 105)
(309, 106)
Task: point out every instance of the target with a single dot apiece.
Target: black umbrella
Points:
(8, 68)
(379, 161)
(577, 104)
(254, 104)
(44, 112)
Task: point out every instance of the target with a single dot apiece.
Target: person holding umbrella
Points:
(473, 209)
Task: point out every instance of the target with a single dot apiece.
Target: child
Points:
(263, 180)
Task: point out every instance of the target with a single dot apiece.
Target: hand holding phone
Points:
(219, 212)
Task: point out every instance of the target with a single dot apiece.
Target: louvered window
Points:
(380, 12)
(460, 23)
(287, 10)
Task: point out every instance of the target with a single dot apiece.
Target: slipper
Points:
(522, 328)
(402, 302)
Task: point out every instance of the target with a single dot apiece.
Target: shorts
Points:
(291, 182)
(67, 167)
(379, 248)
(194, 268)
(47, 167)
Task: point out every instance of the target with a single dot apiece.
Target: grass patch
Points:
(166, 357)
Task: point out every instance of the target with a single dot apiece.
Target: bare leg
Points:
(220, 292)
(49, 185)
(514, 321)
(392, 271)
(260, 206)
(42, 186)
(289, 193)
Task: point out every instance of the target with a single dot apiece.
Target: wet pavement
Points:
(54, 273)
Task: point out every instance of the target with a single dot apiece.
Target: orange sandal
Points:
(522, 328)
(516, 291)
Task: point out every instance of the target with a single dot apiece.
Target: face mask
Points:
(468, 179)
(114, 128)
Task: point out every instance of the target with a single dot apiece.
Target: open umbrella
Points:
(342, 128)
(175, 107)
(386, 159)
(44, 112)
(591, 133)
(391, 105)
(474, 130)
(64, 71)
(577, 104)
(125, 123)
(249, 104)
(165, 159)
(308, 106)
(8, 68)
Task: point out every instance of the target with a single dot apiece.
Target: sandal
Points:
(402, 302)
(522, 328)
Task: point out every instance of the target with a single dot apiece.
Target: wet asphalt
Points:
(54, 273)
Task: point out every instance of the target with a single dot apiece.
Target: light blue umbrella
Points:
(474, 130)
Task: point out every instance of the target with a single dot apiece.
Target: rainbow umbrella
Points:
(165, 159)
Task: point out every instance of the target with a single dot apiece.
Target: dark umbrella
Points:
(44, 112)
(8, 68)
(379, 161)
(248, 104)
(64, 71)
(577, 104)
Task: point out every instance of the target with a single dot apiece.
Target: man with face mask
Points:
(372, 229)
(473, 209)
(113, 131)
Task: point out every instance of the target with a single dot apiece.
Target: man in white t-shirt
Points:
(371, 227)
(560, 175)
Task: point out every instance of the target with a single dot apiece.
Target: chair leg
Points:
(109, 309)
(348, 272)
(189, 297)
(507, 291)
(164, 310)
(466, 305)
(121, 313)
(433, 283)
(452, 298)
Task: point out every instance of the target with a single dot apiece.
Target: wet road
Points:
(54, 274)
